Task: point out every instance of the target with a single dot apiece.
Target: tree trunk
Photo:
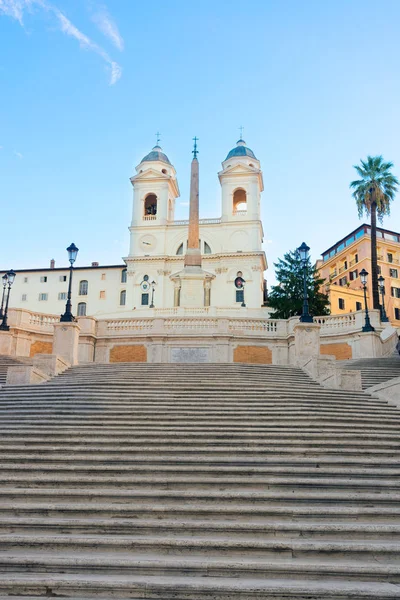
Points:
(374, 259)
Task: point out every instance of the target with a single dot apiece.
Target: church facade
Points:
(230, 247)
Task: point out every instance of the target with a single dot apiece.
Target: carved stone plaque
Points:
(189, 355)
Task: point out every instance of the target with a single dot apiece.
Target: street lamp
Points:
(10, 280)
(72, 254)
(384, 317)
(5, 279)
(153, 285)
(364, 278)
(303, 251)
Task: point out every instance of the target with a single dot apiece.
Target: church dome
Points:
(241, 150)
(156, 154)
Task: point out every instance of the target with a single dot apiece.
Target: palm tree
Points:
(373, 194)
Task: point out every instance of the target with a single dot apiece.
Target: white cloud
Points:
(108, 27)
(15, 9)
(18, 154)
(184, 203)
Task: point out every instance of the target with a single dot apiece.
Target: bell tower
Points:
(242, 183)
(155, 190)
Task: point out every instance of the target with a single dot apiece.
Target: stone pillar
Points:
(193, 254)
(66, 341)
(306, 342)
(177, 292)
(6, 342)
(207, 292)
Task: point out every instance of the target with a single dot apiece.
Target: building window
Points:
(150, 205)
(239, 200)
(103, 276)
(358, 306)
(343, 281)
(83, 287)
(397, 314)
(43, 297)
(353, 275)
(122, 298)
(390, 257)
(102, 294)
(180, 250)
(395, 292)
(207, 249)
(62, 296)
(341, 303)
(25, 280)
(240, 296)
(393, 273)
(379, 269)
(145, 299)
(24, 297)
(63, 278)
(124, 275)
(43, 279)
(81, 309)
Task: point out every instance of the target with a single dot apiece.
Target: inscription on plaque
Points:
(189, 355)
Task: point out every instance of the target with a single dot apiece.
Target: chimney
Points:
(95, 264)
(52, 264)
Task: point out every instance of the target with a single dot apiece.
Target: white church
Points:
(230, 264)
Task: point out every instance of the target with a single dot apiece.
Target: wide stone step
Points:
(164, 566)
(288, 510)
(213, 544)
(260, 530)
(82, 586)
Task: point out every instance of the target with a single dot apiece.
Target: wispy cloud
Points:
(184, 203)
(15, 9)
(108, 27)
(18, 154)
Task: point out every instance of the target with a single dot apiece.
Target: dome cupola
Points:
(156, 155)
(240, 150)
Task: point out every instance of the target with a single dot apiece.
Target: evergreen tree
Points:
(286, 298)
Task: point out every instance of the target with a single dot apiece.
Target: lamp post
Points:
(5, 279)
(384, 317)
(72, 254)
(303, 251)
(153, 285)
(364, 279)
(10, 280)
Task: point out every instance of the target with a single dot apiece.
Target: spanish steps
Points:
(190, 482)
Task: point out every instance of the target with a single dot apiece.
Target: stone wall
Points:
(341, 351)
(41, 348)
(128, 353)
(252, 354)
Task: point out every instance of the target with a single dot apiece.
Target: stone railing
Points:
(240, 213)
(129, 325)
(201, 222)
(149, 217)
(42, 321)
(188, 324)
(329, 322)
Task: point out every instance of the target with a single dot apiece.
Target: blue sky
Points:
(84, 86)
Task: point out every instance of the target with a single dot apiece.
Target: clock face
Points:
(147, 242)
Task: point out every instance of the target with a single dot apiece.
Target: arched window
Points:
(180, 250)
(123, 276)
(83, 287)
(150, 205)
(82, 309)
(207, 249)
(122, 298)
(239, 200)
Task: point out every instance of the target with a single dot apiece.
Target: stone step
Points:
(83, 586)
(214, 545)
(178, 469)
(288, 510)
(204, 566)
(262, 529)
(182, 459)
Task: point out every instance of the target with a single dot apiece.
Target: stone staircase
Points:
(8, 361)
(375, 370)
(190, 482)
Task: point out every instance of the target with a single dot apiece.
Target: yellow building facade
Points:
(341, 265)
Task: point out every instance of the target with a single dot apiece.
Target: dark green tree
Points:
(373, 194)
(286, 298)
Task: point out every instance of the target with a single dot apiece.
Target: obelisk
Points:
(192, 285)
(193, 253)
